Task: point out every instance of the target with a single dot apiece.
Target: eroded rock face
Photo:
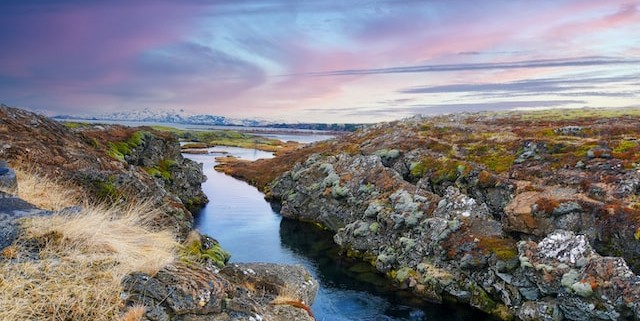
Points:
(239, 292)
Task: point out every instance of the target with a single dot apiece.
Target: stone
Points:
(12, 209)
(8, 179)
(543, 310)
(293, 281)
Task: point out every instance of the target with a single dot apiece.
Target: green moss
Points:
(439, 170)
(163, 169)
(137, 138)
(194, 252)
(74, 125)
(403, 274)
(625, 146)
(582, 150)
(106, 189)
(496, 158)
(504, 249)
(119, 150)
(481, 300)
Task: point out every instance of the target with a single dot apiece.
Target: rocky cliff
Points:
(114, 164)
(530, 216)
(122, 246)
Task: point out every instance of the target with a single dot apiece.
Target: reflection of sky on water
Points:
(246, 225)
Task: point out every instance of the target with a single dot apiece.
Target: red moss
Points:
(546, 205)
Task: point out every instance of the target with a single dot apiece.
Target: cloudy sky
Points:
(319, 60)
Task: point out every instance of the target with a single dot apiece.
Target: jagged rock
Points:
(177, 290)
(259, 291)
(290, 281)
(462, 190)
(587, 285)
(543, 310)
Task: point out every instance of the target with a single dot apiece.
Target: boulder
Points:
(258, 291)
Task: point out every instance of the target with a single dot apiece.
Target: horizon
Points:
(319, 61)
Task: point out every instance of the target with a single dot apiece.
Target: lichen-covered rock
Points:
(583, 284)
(452, 196)
(292, 282)
(187, 292)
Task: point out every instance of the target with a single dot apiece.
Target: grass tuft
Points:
(134, 313)
(42, 191)
(82, 257)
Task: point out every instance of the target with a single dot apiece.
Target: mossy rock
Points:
(193, 251)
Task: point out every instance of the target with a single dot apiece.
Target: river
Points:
(252, 231)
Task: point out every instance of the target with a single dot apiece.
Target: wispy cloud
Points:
(530, 86)
(526, 64)
(294, 59)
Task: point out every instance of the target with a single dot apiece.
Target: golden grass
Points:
(290, 295)
(134, 313)
(43, 191)
(83, 257)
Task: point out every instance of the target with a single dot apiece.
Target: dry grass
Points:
(82, 258)
(291, 296)
(134, 313)
(43, 191)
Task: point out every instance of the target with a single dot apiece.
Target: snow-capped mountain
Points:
(168, 116)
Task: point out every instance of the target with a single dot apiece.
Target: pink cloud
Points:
(80, 43)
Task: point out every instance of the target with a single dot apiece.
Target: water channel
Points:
(252, 231)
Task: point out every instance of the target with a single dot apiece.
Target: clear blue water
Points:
(248, 227)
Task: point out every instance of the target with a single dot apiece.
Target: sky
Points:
(318, 60)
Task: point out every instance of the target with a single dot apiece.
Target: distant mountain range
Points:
(168, 116)
(180, 117)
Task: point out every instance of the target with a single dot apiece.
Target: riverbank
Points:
(510, 214)
(252, 230)
(144, 262)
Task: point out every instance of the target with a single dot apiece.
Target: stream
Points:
(252, 231)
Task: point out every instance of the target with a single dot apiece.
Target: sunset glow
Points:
(324, 61)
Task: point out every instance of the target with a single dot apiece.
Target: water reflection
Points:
(247, 226)
(354, 290)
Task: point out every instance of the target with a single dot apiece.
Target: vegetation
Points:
(211, 138)
(81, 258)
(194, 251)
(75, 125)
(120, 149)
(163, 169)
(44, 192)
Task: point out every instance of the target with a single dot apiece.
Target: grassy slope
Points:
(229, 138)
(82, 257)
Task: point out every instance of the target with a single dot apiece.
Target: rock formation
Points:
(117, 165)
(517, 215)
